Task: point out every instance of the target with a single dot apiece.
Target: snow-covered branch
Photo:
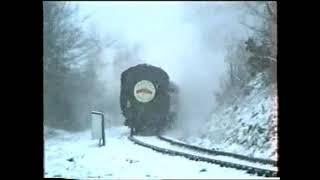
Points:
(270, 58)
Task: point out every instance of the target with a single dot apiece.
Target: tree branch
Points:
(254, 28)
(253, 10)
(268, 57)
(272, 11)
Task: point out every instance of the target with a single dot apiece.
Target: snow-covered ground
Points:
(248, 126)
(77, 156)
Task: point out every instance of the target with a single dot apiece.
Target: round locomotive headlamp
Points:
(144, 91)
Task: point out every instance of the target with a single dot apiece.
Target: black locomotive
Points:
(146, 99)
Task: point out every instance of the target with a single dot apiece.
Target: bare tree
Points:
(263, 44)
(267, 14)
(70, 59)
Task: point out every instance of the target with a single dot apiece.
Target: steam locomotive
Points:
(148, 99)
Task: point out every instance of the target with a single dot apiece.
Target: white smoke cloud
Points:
(174, 44)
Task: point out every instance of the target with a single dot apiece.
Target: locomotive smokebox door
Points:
(144, 91)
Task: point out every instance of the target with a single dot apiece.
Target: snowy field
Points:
(77, 156)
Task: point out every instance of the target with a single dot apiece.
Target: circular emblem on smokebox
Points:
(144, 91)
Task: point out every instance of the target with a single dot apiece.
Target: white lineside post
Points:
(97, 127)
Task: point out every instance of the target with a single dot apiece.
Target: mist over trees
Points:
(68, 72)
(263, 45)
(224, 62)
(81, 68)
(256, 54)
(70, 63)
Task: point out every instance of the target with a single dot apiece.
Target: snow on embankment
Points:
(248, 126)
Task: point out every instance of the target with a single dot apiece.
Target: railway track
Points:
(175, 148)
(222, 153)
